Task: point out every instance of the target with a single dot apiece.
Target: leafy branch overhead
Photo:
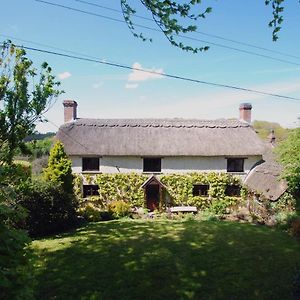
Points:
(177, 18)
(25, 95)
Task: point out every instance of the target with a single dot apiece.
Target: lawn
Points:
(168, 260)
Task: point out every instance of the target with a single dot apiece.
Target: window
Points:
(90, 164)
(235, 164)
(233, 190)
(200, 190)
(90, 190)
(152, 164)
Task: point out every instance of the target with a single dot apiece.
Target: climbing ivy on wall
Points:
(127, 187)
(180, 189)
(120, 186)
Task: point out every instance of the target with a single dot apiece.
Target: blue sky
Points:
(107, 92)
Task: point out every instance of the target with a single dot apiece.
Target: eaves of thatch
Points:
(266, 180)
(160, 137)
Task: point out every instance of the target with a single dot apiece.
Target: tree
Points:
(288, 153)
(24, 97)
(59, 168)
(171, 16)
(22, 103)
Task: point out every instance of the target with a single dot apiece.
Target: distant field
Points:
(168, 260)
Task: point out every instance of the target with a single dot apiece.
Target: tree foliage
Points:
(22, 103)
(25, 96)
(39, 148)
(288, 153)
(59, 168)
(176, 18)
(15, 269)
(264, 128)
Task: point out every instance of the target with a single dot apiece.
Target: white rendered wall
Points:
(193, 164)
(124, 164)
(76, 164)
(121, 164)
(250, 162)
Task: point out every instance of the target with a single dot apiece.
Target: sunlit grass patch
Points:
(167, 260)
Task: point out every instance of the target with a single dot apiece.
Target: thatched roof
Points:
(159, 137)
(265, 179)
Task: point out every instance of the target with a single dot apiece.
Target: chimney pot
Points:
(70, 110)
(245, 112)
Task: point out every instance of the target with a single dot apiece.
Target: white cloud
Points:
(64, 75)
(137, 75)
(131, 85)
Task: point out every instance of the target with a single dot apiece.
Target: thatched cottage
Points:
(160, 146)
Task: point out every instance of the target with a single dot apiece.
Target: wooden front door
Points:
(152, 196)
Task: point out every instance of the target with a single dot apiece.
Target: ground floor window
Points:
(90, 190)
(233, 191)
(200, 190)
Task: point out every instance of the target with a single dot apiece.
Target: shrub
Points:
(23, 169)
(15, 267)
(90, 212)
(283, 219)
(119, 208)
(59, 168)
(295, 226)
(206, 215)
(50, 208)
(16, 280)
(286, 203)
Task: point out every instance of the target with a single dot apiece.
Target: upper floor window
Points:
(90, 164)
(235, 164)
(200, 190)
(152, 164)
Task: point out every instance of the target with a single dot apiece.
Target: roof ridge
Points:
(161, 123)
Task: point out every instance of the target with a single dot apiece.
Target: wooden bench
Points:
(183, 209)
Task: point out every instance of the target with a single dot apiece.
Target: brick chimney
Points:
(70, 110)
(245, 112)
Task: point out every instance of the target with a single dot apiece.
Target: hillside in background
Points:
(39, 136)
(263, 129)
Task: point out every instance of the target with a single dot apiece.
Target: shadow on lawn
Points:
(169, 260)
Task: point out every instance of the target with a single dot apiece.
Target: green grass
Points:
(167, 260)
